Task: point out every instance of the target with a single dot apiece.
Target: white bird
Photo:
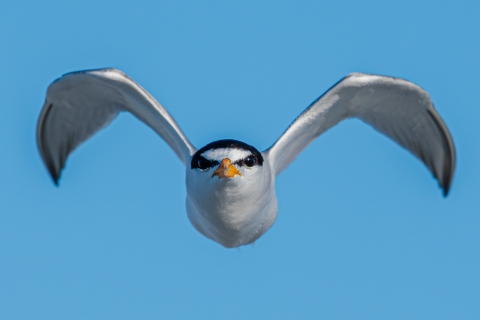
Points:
(230, 184)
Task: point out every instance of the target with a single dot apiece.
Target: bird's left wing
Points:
(81, 103)
(397, 108)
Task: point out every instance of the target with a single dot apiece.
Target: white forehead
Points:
(222, 153)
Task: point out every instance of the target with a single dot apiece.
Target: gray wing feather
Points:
(79, 104)
(397, 108)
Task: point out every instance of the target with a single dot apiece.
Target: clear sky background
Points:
(363, 230)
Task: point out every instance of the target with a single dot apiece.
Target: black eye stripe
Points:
(238, 162)
(204, 163)
(243, 162)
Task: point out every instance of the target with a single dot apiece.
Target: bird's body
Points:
(232, 211)
(230, 184)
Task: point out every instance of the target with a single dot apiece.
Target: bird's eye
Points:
(203, 163)
(250, 161)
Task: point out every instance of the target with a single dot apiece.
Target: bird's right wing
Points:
(397, 108)
(81, 103)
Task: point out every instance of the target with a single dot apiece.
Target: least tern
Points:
(230, 184)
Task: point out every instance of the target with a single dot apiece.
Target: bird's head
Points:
(226, 165)
(227, 160)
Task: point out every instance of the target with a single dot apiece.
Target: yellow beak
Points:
(226, 170)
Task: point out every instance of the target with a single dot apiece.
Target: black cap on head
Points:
(224, 144)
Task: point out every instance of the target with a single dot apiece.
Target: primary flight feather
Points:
(230, 184)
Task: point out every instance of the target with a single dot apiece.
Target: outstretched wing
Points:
(397, 108)
(81, 103)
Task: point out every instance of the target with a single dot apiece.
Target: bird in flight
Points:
(230, 184)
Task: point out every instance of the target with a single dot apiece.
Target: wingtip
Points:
(54, 175)
(446, 185)
(448, 170)
(445, 191)
(450, 157)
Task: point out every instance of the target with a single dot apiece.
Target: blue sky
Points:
(368, 235)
